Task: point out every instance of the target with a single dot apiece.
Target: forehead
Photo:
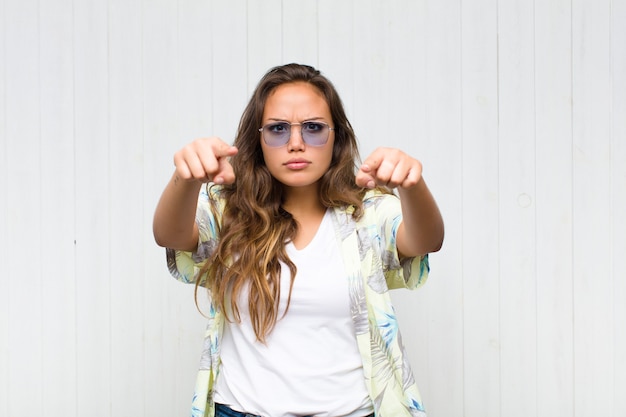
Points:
(296, 95)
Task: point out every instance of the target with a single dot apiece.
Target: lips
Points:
(297, 163)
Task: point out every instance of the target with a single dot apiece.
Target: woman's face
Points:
(298, 163)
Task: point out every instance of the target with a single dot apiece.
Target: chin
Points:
(291, 183)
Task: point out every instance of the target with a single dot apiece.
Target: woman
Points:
(298, 247)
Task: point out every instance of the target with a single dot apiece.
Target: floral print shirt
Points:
(368, 248)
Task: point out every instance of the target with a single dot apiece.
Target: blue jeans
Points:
(222, 410)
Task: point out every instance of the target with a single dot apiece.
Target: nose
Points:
(296, 142)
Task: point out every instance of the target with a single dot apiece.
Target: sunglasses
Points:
(278, 133)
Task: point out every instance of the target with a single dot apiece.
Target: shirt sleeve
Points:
(410, 272)
(185, 266)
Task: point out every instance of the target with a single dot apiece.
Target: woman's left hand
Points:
(389, 167)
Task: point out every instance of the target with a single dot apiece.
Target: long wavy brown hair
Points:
(254, 226)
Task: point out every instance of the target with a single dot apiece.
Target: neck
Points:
(303, 202)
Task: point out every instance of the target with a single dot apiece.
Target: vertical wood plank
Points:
(593, 289)
(480, 209)
(160, 132)
(58, 375)
(555, 395)
(4, 222)
(264, 39)
(618, 199)
(5, 244)
(23, 195)
(439, 146)
(92, 207)
(300, 32)
(335, 43)
(196, 61)
(403, 112)
(367, 56)
(194, 65)
(229, 75)
(127, 237)
(404, 74)
(516, 111)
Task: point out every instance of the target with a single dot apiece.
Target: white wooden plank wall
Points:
(517, 110)
(553, 208)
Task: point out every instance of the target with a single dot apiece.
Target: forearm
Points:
(174, 223)
(422, 228)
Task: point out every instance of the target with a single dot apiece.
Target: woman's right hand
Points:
(201, 161)
(206, 160)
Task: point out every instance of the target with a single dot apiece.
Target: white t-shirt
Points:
(310, 364)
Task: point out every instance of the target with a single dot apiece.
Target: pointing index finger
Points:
(224, 150)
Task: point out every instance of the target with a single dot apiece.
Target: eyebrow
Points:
(310, 119)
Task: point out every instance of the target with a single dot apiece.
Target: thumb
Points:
(364, 178)
(225, 173)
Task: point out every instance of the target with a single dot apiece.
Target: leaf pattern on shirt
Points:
(204, 250)
(382, 345)
(365, 242)
(377, 282)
